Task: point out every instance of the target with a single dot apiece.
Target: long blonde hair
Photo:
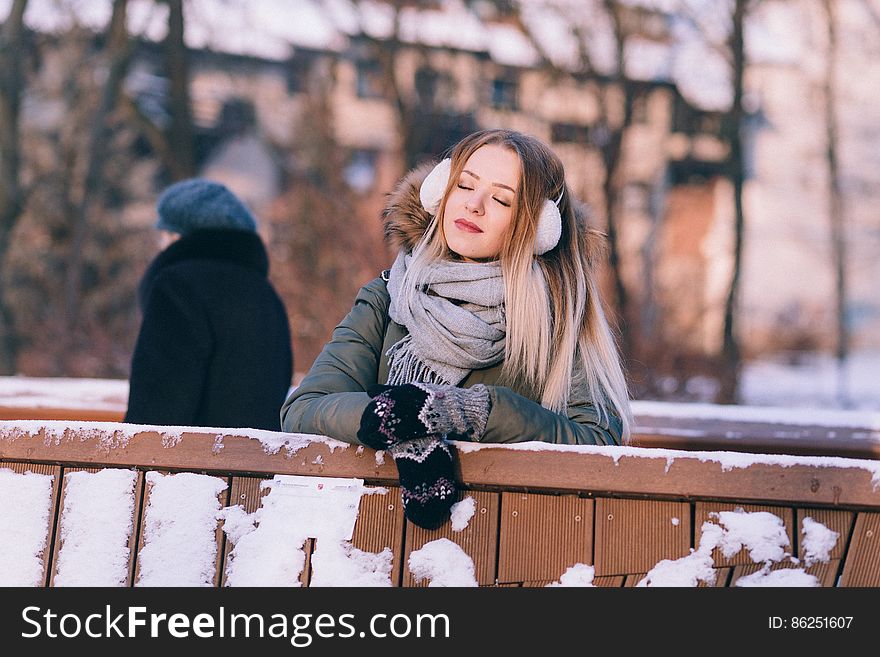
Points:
(558, 338)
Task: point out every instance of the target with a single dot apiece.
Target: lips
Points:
(467, 226)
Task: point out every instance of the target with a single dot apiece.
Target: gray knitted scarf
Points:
(456, 323)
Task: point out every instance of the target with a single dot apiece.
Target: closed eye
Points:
(504, 203)
(461, 186)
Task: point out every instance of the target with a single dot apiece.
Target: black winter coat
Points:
(214, 346)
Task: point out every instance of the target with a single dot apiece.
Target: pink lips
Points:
(467, 226)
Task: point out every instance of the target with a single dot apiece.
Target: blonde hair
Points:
(558, 338)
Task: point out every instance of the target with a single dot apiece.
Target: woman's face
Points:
(480, 206)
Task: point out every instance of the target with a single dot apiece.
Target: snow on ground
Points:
(812, 381)
(33, 392)
(96, 525)
(24, 526)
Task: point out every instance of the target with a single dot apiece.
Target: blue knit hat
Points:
(197, 203)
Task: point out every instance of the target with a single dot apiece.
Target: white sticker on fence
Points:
(269, 542)
(96, 526)
(24, 526)
(180, 543)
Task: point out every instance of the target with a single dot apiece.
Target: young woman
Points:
(488, 327)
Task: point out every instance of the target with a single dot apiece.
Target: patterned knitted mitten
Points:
(427, 479)
(415, 410)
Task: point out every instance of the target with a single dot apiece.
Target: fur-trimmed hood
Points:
(405, 220)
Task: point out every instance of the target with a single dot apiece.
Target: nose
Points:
(474, 202)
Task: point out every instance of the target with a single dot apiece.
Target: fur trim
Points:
(405, 220)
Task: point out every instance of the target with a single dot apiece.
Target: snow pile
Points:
(761, 533)
(180, 545)
(269, 542)
(579, 574)
(24, 526)
(339, 563)
(96, 525)
(781, 577)
(443, 563)
(462, 512)
(817, 541)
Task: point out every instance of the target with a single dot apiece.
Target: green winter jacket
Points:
(331, 398)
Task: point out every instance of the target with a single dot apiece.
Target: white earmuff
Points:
(549, 223)
(549, 226)
(434, 185)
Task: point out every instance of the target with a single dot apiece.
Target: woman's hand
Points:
(417, 410)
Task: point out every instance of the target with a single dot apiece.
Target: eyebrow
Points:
(496, 184)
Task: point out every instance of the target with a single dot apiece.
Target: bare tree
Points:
(733, 135)
(174, 145)
(118, 56)
(733, 124)
(12, 49)
(616, 96)
(835, 201)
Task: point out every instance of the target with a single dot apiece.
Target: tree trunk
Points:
(836, 209)
(11, 194)
(612, 157)
(735, 165)
(180, 131)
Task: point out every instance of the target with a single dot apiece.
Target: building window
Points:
(296, 75)
(640, 110)
(569, 133)
(433, 88)
(504, 93)
(360, 174)
(426, 86)
(369, 79)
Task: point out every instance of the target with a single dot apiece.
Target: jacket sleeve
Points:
(171, 357)
(515, 418)
(332, 397)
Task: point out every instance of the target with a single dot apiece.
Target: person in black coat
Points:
(214, 346)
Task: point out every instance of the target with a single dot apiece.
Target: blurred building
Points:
(269, 77)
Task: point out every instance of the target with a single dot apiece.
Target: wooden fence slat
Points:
(132, 539)
(634, 535)
(244, 491)
(222, 498)
(609, 582)
(55, 472)
(380, 525)
(479, 539)
(838, 521)
(862, 565)
(543, 535)
(701, 515)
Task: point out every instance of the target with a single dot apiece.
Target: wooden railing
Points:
(540, 509)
